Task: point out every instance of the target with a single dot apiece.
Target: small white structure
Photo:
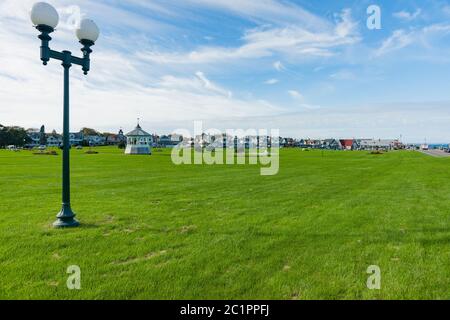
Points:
(138, 142)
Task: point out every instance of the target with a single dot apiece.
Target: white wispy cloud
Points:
(343, 75)
(265, 41)
(422, 36)
(446, 10)
(272, 81)
(296, 95)
(436, 29)
(278, 65)
(407, 16)
(207, 84)
(398, 40)
(301, 101)
(279, 12)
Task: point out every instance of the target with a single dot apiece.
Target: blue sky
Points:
(309, 68)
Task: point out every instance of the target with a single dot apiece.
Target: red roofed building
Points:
(347, 144)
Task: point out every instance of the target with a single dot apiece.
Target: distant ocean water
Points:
(434, 145)
(440, 145)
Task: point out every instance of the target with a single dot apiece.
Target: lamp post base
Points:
(66, 218)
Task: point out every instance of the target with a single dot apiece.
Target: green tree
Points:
(16, 136)
(3, 136)
(89, 132)
(42, 136)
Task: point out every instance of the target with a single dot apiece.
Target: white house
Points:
(375, 144)
(96, 140)
(54, 140)
(76, 138)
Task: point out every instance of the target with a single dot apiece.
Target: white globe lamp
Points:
(43, 14)
(87, 30)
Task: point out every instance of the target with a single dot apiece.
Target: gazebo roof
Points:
(138, 132)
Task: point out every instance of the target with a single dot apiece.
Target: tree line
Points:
(16, 136)
(19, 137)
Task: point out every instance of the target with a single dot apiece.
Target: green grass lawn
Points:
(152, 230)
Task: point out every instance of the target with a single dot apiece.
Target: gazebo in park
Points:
(138, 141)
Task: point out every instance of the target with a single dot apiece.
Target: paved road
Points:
(436, 153)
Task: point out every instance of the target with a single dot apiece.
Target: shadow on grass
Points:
(81, 226)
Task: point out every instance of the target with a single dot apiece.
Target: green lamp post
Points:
(45, 18)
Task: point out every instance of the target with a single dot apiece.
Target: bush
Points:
(47, 153)
(122, 145)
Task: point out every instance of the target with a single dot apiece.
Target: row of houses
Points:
(92, 138)
(205, 140)
(344, 144)
(54, 139)
(224, 140)
(38, 138)
(213, 141)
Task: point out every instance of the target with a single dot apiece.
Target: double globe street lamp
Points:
(45, 18)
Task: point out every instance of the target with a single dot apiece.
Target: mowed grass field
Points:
(153, 230)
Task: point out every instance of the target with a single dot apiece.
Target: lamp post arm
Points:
(56, 55)
(83, 62)
(47, 53)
